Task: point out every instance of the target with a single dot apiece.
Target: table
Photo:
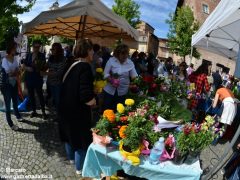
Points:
(104, 160)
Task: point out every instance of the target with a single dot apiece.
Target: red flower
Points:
(187, 129)
(123, 118)
(148, 79)
(154, 86)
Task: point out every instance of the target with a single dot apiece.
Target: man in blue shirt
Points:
(34, 65)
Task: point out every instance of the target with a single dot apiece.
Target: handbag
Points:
(3, 78)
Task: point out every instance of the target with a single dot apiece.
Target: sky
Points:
(154, 12)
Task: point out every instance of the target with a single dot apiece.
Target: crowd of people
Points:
(70, 75)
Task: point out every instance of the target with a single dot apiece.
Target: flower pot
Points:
(179, 159)
(192, 157)
(126, 152)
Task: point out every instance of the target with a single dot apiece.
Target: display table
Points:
(104, 160)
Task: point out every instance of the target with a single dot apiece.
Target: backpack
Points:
(3, 78)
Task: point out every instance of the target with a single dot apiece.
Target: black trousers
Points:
(31, 93)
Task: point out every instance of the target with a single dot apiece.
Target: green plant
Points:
(193, 139)
(137, 130)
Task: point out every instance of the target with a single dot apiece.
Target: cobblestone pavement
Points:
(35, 148)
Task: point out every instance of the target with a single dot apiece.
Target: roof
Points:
(148, 25)
(89, 16)
(163, 39)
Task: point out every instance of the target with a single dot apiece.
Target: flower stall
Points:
(155, 110)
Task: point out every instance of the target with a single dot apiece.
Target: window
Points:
(205, 8)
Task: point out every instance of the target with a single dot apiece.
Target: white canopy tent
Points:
(220, 33)
(83, 18)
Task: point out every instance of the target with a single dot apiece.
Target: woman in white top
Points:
(118, 71)
(10, 91)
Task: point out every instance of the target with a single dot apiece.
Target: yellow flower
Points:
(100, 84)
(129, 102)
(99, 70)
(120, 108)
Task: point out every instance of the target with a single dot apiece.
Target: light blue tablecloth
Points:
(107, 161)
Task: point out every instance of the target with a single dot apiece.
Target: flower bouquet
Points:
(193, 139)
(114, 124)
(99, 81)
(213, 125)
(114, 79)
(170, 148)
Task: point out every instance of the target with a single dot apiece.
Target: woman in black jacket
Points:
(77, 97)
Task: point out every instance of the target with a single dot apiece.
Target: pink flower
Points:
(156, 128)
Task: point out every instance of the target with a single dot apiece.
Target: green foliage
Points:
(103, 127)
(193, 142)
(129, 10)
(67, 41)
(9, 22)
(181, 28)
(137, 130)
(43, 39)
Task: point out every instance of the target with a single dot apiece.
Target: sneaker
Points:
(14, 127)
(20, 119)
(78, 172)
(33, 114)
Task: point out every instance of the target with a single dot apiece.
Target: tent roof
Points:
(220, 33)
(67, 20)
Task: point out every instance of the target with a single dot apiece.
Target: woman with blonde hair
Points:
(119, 71)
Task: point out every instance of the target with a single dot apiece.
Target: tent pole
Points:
(79, 27)
(83, 27)
(237, 67)
(191, 55)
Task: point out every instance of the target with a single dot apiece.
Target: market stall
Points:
(156, 110)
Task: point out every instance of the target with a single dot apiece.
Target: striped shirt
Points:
(57, 71)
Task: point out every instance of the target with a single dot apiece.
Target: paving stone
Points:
(35, 148)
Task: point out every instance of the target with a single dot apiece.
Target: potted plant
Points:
(192, 140)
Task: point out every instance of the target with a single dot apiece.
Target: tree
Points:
(43, 39)
(9, 22)
(67, 41)
(181, 28)
(129, 10)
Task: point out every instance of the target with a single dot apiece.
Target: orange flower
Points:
(122, 132)
(109, 114)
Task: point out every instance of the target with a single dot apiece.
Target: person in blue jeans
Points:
(56, 66)
(10, 90)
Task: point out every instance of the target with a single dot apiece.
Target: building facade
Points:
(201, 10)
(147, 41)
